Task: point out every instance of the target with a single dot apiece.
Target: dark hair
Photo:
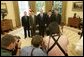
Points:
(36, 40)
(17, 37)
(7, 40)
(53, 28)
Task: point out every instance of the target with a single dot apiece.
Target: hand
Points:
(45, 24)
(43, 45)
(19, 44)
(37, 25)
(30, 27)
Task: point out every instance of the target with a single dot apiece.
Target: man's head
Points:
(41, 11)
(49, 12)
(25, 13)
(56, 11)
(54, 28)
(8, 42)
(75, 14)
(31, 12)
(36, 41)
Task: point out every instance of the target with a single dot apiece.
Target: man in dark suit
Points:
(25, 24)
(41, 21)
(49, 17)
(32, 22)
(56, 17)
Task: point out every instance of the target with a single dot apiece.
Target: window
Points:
(39, 5)
(23, 6)
(58, 5)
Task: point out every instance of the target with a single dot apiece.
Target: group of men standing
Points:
(42, 20)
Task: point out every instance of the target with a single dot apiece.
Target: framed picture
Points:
(3, 6)
(3, 10)
(77, 6)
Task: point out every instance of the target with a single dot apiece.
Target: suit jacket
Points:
(56, 18)
(25, 22)
(41, 21)
(32, 21)
(48, 19)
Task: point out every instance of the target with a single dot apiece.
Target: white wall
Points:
(70, 13)
(11, 14)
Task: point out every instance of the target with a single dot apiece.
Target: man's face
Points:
(56, 12)
(25, 13)
(41, 11)
(49, 13)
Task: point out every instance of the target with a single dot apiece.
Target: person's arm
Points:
(43, 46)
(22, 21)
(18, 49)
(59, 19)
(37, 21)
(18, 52)
(46, 20)
(30, 21)
(46, 42)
